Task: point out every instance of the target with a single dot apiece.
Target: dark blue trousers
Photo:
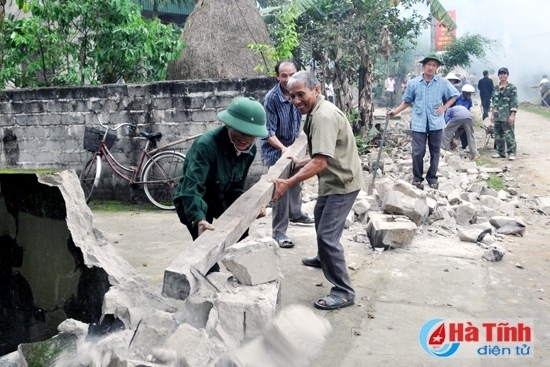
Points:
(419, 151)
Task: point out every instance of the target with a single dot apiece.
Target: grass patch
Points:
(115, 206)
(496, 183)
(545, 112)
(27, 171)
(486, 162)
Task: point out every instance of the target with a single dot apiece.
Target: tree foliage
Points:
(462, 51)
(70, 42)
(342, 38)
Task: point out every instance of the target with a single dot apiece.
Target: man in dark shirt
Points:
(217, 164)
(485, 86)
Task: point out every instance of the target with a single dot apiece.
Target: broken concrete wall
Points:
(44, 127)
(53, 264)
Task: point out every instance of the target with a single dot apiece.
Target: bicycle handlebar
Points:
(116, 127)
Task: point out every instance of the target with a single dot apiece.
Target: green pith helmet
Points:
(245, 115)
(431, 57)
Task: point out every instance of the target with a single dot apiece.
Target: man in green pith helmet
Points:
(217, 164)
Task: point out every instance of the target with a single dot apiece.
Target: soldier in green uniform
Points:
(504, 105)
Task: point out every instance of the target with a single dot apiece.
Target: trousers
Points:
(505, 139)
(419, 151)
(452, 127)
(330, 217)
(289, 206)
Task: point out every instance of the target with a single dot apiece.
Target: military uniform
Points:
(504, 101)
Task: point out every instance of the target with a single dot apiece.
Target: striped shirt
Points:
(425, 99)
(282, 120)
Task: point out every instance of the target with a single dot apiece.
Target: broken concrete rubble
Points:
(127, 313)
(293, 339)
(390, 231)
(253, 262)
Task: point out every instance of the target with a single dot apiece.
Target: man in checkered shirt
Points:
(430, 96)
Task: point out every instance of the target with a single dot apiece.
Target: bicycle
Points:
(159, 170)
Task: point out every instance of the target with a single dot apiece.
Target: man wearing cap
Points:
(426, 94)
(217, 164)
(335, 161)
(504, 104)
(283, 126)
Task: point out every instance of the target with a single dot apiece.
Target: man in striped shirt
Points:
(283, 125)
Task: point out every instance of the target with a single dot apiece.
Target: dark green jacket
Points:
(504, 101)
(213, 177)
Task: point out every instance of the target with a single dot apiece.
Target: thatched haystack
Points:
(217, 34)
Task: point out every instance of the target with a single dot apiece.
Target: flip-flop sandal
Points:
(332, 302)
(285, 243)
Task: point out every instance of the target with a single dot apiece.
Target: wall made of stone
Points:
(44, 128)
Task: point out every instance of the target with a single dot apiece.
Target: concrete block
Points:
(154, 330)
(293, 339)
(431, 202)
(447, 186)
(244, 311)
(454, 162)
(415, 209)
(464, 196)
(493, 254)
(393, 202)
(382, 186)
(477, 187)
(490, 201)
(389, 231)
(406, 188)
(511, 229)
(465, 166)
(387, 166)
(490, 169)
(503, 195)
(470, 233)
(488, 191)
(454, 197)
(464, 213)
(192, 347)
(198, 310)
(252, 262)
(507, 209)
(349, 219)
(361, 206)
(499, 221)
(543, 204)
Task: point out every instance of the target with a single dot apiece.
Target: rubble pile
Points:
(233, 319)
(463, 206)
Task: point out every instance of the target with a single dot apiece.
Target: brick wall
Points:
(44, 128)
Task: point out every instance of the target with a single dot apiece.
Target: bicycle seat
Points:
(151, 136)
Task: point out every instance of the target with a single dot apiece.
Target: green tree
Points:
(342, 39)
(462, 51)
(68, 42)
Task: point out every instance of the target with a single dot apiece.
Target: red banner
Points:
(444, 37)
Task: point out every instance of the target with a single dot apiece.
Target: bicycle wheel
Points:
(89, 177)
(161, 175)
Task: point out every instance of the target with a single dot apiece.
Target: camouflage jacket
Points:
(504, 101)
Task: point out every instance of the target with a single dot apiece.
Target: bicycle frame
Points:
(121, 170)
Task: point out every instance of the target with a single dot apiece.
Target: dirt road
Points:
(399, 290)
